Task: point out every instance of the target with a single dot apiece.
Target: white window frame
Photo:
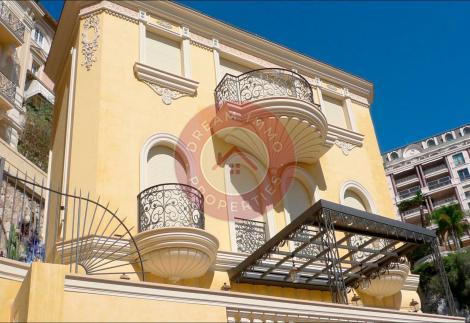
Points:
(347, 107)
(182, 84)
(269, 209)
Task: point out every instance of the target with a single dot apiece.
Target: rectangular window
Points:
(467, 194)
(38, 37)
(334, 111)
(458, 159)
(163, 53)
(464, 174)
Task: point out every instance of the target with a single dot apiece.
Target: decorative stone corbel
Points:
(167, 95)
(345, 147)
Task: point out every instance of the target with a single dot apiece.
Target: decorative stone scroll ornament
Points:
(90, 36)
(167, 95)
(345, 147)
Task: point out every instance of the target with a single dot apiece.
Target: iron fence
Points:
(11, 20)
(82, 233)
(170, 205)
(261, 84)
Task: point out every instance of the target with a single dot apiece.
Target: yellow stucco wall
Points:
(114, 114)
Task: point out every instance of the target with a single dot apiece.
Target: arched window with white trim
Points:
(354, 195)
(247, 205)
(164, 165)
(296, 199)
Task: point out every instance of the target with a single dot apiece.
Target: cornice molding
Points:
(13, 270)
(243, 302)
(169, 86)
(250, 43)
(233, 42)
(427, 156)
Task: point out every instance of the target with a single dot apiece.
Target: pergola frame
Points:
(334, 247)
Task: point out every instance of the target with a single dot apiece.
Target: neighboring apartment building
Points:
(438, 166)
(248, 179)
(26, 33)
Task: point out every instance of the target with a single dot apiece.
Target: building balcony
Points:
(11, 27)
(250, 235)
(408, 193)
(439, 183)
(279, 103)
(7, 93)
(446, 201)
(406, 180)
(435, 170)
(172, 239)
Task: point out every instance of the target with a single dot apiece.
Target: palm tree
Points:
(417, 201)
(450, 220)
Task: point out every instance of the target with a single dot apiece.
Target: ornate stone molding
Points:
(167, 95)
(112, 9)
(345, 147)
(169, 86)
(90, 37)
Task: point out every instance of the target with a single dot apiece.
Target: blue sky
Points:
(416, 53)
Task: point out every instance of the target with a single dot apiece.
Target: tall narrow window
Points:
(164, 166)
(163, 53)
(38, 36)
(334, 112)
(296, 199)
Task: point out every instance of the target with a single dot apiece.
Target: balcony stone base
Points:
(388, 284)
(177, 253)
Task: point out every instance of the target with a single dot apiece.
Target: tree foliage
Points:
(450, 221)
(457, 267)
(35, 138)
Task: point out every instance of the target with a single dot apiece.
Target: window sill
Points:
(169, 86)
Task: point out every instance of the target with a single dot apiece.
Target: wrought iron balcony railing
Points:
(7, 88)
(262, 84)
(170, 205)
(250, 235)
(11, 20)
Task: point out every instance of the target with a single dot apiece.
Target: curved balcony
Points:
(388, 283)
(279, 98)
(172, 239)
(170, 205)
(7, 93)
(11, 28)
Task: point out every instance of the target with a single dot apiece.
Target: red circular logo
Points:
(238, 158)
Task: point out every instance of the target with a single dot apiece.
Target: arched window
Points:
(354, 195)
(296, 199)
(449, 137)
(353, 200)
(394, 156)
(466, 131)
(247, 208)
(164, 159)
(164, 165)
(430, 143)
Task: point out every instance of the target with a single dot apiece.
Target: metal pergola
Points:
(336, 248)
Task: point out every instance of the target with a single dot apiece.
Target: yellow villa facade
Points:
(247, 178)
